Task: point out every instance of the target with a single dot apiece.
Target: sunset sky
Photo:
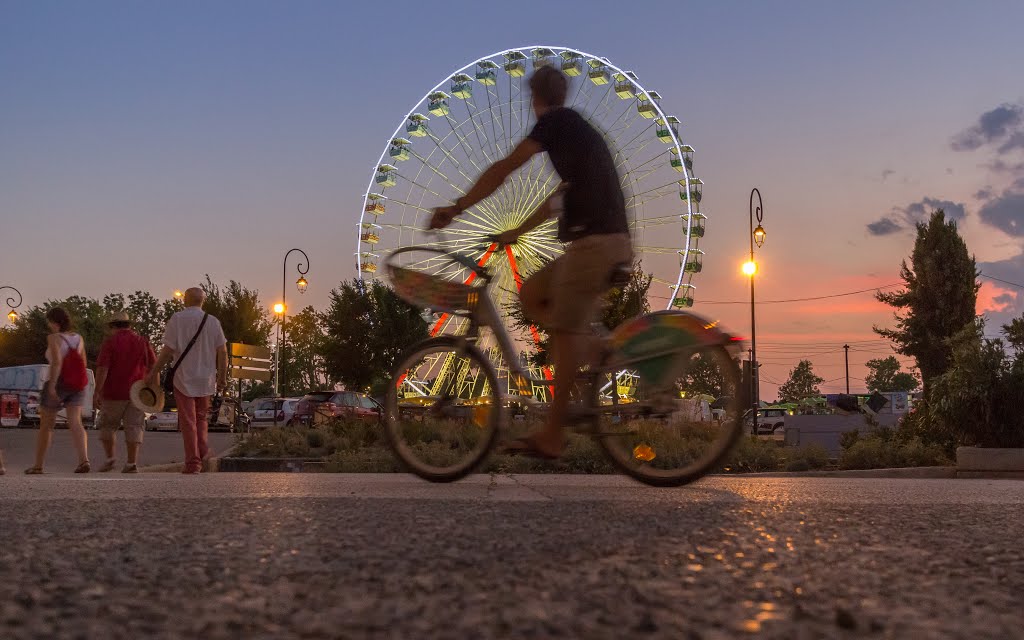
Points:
(143, 145)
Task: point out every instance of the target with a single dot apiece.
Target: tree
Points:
(239, 310)
(302, 362)
(978, 400)
(802, 383)
(884, 375)
(705, 376)
(621, 304)
(367, 327)
(939, 300)
(1014, 333)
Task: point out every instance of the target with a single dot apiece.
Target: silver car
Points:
(264, 411)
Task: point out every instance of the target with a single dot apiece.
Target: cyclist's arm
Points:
(496, 174)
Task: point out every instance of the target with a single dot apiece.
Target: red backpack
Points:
(73, 376)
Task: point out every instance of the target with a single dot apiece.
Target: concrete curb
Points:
(271, 465)
(210, 465)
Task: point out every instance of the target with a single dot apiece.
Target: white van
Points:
(27, 383)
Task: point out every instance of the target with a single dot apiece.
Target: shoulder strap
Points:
(191, 342)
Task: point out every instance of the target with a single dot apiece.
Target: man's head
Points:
(548, 88)
(120, 320)
(194, 297)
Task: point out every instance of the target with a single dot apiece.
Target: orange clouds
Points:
(988, 297)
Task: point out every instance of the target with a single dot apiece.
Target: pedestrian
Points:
(194, 341)
(64, 389)
(125, 357)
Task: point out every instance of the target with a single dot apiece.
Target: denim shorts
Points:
(63, 397)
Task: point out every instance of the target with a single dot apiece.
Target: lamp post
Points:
(750, 268)
(300, 284)
(12, 315)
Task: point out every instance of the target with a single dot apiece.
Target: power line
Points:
(811, 299)
(1012, 284)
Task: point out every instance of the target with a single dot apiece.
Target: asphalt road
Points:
(388, 556)
(158, 447)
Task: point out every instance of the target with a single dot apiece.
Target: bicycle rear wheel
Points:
(665, 435)
(443, 409)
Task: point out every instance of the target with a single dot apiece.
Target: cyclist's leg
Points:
(537, 296)
(579, 281)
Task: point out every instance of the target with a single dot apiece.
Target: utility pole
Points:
(846, 349)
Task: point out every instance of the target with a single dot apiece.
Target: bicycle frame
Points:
(484, 312)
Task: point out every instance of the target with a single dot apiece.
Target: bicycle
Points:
(445, 405)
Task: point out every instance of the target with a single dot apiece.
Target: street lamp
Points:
(300, 284)
(750, 269)
(12, 315)
(279, 312)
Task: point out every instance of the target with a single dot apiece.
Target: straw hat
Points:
(147, 398)
(120, 316)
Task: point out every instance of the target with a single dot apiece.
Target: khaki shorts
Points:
(573, 284)
(115, 412)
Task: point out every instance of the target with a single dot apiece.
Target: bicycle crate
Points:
(424, 290)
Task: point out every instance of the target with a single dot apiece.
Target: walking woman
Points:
(65, 389)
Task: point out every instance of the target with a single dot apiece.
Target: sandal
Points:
(83, 468)
(34, 471)
(527, 446)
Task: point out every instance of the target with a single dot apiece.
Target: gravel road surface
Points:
(388, 556)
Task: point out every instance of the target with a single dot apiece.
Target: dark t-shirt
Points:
(594, 203)
(127, 357)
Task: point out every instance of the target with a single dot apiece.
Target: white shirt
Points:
(197, 375)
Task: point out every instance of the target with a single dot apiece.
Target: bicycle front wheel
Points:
(672, 434)
(443, 409)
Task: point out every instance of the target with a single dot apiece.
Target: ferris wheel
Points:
(476, 116)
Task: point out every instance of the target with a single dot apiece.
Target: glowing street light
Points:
(13, 302)
(178, 294)
(300, 284)
(750, 269)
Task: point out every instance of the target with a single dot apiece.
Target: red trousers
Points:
(193, 425)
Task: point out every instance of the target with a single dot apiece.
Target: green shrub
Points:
(280, 442)
(879, 452)
(753, 455)
(809, 457)
(315, 439)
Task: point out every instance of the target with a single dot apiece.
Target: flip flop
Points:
(528, 447)
(34, 471)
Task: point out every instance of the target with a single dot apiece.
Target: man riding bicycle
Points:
(564, 295)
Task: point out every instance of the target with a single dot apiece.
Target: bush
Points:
(753, 455)
(977, 401)
(315, 439)
(281, 442)
(884, 451)
(809, 457)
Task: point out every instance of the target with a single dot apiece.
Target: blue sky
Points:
(144, 144)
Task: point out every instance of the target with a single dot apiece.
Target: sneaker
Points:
(190, 471)
(108, 465)
(130, 468)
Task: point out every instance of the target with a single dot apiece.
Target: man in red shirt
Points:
(124, 358)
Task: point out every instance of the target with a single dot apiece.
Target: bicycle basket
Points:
(424, 290)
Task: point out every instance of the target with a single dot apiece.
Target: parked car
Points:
(270, 411)
(250, 407)
(162, 421)
(771, 424)
(320, 405)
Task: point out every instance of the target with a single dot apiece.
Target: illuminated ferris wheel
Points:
(477, 115)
